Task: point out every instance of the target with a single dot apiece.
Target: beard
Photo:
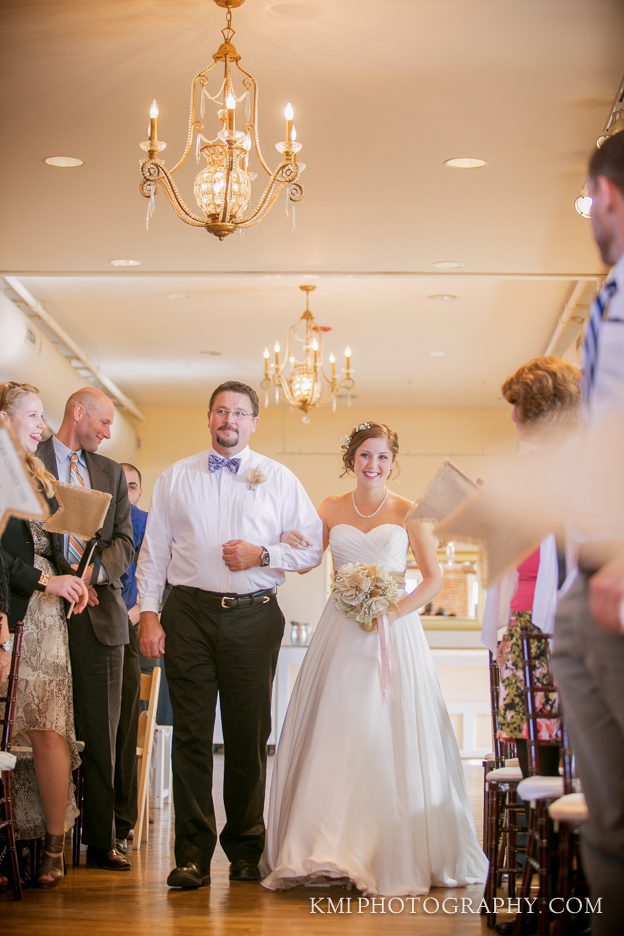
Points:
(229, 441)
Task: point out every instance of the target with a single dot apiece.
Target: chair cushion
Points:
(7, 761)
(539, 788)
(570, 808)
(505, 775)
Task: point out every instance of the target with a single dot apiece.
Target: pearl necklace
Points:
(375, 512)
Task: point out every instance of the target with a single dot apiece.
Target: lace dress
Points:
(366, 788)
(44, 694)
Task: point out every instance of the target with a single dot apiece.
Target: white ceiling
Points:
(383, 93)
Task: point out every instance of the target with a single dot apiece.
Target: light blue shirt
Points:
(63, 456)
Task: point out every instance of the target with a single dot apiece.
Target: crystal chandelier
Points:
(223, 186)
(303, 378)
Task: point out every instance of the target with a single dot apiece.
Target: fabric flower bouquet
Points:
(364, 593)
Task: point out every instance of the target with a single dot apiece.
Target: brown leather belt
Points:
(228, 601)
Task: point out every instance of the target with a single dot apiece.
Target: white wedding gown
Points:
(367, 787)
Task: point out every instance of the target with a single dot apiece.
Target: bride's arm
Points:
(424, 545)
(297, 540)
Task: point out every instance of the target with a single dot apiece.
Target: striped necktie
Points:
(590, 351)
(75, 545)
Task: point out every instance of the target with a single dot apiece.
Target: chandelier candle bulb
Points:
(266, 362)
(348, 361)
(332, 361)
(230, 103)
(289, 114)
(153, 124)
(276, 349)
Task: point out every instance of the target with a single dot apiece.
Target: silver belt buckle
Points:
(224, 605)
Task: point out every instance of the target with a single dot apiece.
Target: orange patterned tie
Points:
(75, 545)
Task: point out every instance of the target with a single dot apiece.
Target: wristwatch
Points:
(41, 585)
(265, 558)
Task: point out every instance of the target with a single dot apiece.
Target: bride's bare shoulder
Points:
(401, 506)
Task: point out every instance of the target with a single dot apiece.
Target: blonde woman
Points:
(44, 716)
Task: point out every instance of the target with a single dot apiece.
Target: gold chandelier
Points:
(223, 186)
(302, 378)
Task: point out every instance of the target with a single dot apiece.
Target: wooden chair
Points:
(501, 808)
(538, 791)
(568, 813)
(7, 763)
(150, 685)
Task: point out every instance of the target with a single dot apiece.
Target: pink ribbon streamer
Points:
(384, 652)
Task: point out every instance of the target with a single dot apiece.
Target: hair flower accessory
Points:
(254, 477)
(347, 439)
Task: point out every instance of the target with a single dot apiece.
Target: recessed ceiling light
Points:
(64, 162)
(449, 264)
(438, 354)
(177, 295)
(442, 297)
(465, 162)
(125, 263)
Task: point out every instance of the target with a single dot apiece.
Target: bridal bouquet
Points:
(364, 593)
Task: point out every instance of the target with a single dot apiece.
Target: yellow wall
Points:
(474, 439)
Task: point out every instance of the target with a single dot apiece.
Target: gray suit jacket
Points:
(109, 619)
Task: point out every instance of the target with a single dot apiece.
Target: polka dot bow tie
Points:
(216, 463)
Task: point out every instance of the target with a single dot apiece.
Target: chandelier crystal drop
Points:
(301, 376)
(223, 187)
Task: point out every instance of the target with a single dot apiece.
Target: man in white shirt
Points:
(213, 533)
(588, 653)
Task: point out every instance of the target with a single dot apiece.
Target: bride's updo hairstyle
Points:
(359, 435)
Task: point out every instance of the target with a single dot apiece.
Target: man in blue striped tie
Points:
(96, 636)
(588, 657)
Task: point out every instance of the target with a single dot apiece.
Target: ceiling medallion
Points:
(222, 188)
(302, 378)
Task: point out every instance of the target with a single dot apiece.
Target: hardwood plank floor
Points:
(99, 903)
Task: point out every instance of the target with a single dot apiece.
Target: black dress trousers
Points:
(233, 653)
(126, 774)
(97, 676)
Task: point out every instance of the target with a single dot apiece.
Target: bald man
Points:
(97, 636)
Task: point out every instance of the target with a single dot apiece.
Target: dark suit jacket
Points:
(109, 619)
(18, 552)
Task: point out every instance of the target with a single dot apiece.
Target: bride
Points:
(367, 783)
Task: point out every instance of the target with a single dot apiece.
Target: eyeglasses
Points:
(222, 413)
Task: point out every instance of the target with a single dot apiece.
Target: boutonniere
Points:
(254, 478)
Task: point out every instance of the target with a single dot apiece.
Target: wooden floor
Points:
(94, 903)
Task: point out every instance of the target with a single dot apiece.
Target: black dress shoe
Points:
(111, 860)
(242, 870)
(188, 877)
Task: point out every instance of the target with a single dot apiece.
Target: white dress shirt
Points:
(193, 512)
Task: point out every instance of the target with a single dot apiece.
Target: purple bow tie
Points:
(216, 463)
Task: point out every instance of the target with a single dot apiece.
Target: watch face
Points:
(265, 559)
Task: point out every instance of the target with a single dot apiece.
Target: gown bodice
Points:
(384, 545)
